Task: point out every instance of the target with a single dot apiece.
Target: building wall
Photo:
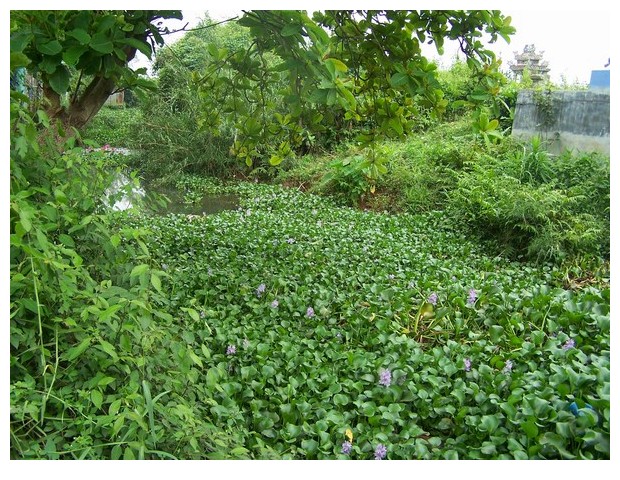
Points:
(116, 99)
(577, 120)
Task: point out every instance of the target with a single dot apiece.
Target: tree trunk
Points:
(82, 108)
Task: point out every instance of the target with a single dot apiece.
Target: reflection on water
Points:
(208, 204)
(123, 194)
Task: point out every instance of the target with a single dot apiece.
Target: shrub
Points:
(169, 140)
(539, 222)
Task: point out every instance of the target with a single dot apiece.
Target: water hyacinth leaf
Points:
(558, 442)
(530, 428)
(310, 446)
(488, 448)
(496, 332)
(489, 423)
(80, 35)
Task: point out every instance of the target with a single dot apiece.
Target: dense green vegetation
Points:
(440, 295)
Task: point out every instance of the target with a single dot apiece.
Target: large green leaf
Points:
(73, 54)
(291, 29)
(101, 43)
(50, 48)
(144, 47)
(18, 60)
(59, 80)
(80, 35)
(399, 79)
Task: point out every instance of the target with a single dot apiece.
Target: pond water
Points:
(207, 205)
(125, 195)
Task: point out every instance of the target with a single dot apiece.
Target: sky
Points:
(573, 41)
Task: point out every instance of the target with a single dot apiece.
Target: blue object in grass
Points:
(575, 409)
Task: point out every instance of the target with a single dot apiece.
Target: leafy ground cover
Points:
(299, 329)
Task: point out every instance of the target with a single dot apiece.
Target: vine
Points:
(543, 99)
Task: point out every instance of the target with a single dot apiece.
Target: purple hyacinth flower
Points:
(508, 366)
(570, 343)
(385, 377)
(471, 297)
(467, 363)
(380, 452)
(231, 350)
(260, 290)
(432, 298)
(275, 304)
(310, 312)
(346, 447)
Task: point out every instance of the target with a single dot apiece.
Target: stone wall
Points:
(576, 120)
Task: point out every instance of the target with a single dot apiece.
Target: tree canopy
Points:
(81, 56)
(299, 77)
(364, 68)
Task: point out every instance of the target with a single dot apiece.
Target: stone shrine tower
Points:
(532, 60)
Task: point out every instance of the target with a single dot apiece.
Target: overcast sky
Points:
(574, 41)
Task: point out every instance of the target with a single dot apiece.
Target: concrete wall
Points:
(579, 120)
(116, 99)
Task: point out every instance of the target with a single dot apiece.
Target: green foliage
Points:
(528, 202)
(168, 141)
(544, 106)
(81, 56)
(114, 126)
(298, 379)
(333, 72)
(84, 321)
(263, 332)
(536, 220)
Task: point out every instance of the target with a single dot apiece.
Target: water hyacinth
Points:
(471, 297)
(290, 240)
(260, 290)
(346, 447)
(385, 377)
(275, 304)
(432, 299)
(231, 350)
(310, 312)
(570, 343)
(380, 452)
(508, 366)
(467, 364)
